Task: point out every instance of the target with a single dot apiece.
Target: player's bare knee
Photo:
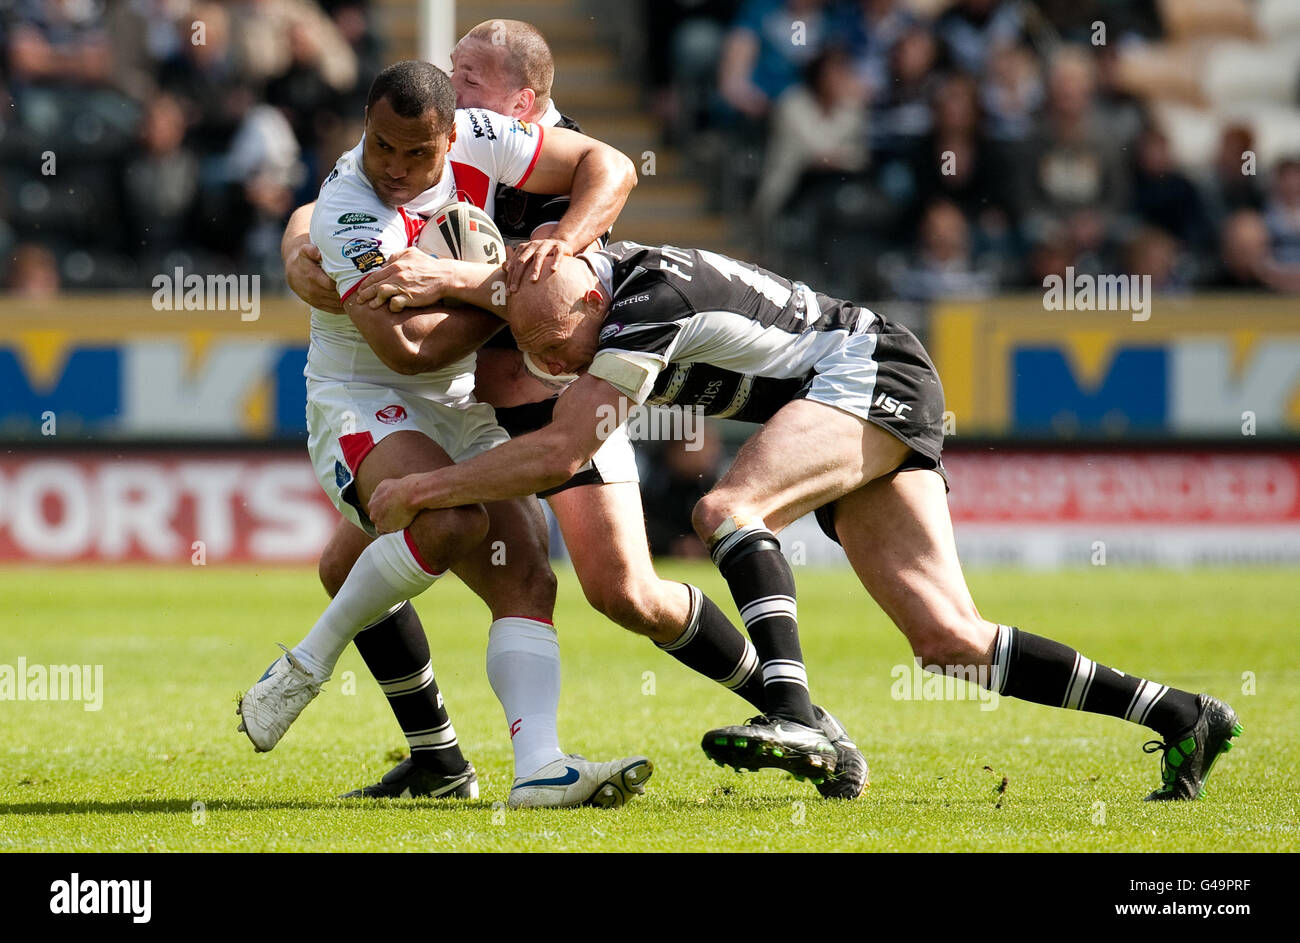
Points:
(333, 570)
(710, 511)
(624, 603)
(536, 581)
(447, 534)
(951, 641)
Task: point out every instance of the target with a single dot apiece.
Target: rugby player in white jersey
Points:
(388, 393)
(851, 411)
(505, 66)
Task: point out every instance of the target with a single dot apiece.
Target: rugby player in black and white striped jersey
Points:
(850, 408)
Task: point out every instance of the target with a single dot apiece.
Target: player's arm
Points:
(413, 278)
(585, 415)
(302, 268)
(418, 340)
(598, 179)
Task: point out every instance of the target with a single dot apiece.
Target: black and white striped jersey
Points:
(694, 328)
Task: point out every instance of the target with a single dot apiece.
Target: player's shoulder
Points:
(478, 125)
(346, 200)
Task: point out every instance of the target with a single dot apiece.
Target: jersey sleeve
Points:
(508, 148)
(640, 334)
(355, 232)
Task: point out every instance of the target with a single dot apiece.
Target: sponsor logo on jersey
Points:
(630, 300)
(352, 218)
(356, 247)
(609, 330)
(519, 126)
(368, 260)
(391, 415)
(333, 173)
(483, 129)
(360, 228)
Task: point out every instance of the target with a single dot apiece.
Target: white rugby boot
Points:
(270, 706)
(573, 781)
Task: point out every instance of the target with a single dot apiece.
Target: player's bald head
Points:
(552, 308)
(521, 53)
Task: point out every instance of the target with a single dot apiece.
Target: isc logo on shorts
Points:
(891, 405)
(391, 415)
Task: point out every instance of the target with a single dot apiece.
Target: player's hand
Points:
(390, 507)
(411, 279)
(308, 280)
(529, 258)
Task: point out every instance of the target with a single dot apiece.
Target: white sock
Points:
(386, 574)
(523, 666)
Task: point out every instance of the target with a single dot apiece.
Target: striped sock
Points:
(714, 647)
(396, 651)
(762, 585)
(1038, 669)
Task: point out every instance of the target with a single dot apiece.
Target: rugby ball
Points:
(462, 231)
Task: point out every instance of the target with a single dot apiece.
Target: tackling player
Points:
(505, 66)
(851, 410)
(392, 394)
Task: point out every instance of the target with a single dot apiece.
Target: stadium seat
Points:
(1241, 72)
(1185, 19)
(1277, 19)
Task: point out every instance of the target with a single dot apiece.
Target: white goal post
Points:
(437, 31)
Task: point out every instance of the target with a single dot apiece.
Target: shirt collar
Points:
(551, 116)
(603, 266)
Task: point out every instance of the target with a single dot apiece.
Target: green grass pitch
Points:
(161, 768)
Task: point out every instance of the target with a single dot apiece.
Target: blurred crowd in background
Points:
(904, 149)
(923, 149)
(141, 135)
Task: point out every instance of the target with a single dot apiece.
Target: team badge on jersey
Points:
(391, 415)
(609, 330)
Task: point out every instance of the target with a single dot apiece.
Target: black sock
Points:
(714, 647)
(1038, 669)
(397, 653)
(762, 584)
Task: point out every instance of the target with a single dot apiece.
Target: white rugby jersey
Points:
(691, 327)
(357, 233)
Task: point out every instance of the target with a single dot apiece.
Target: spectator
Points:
(1012, 95)
(1163, 196)
(819, 128)
(160, 184)
(954, 163)
(1151, 251)
(1282, 211)
(205, 79)
(33, 273)
(943, 266)
(1075, 174)
(767, 49)
(901, 115)
(1247, 261)
(876, 30)
(971, 29)
(263, 48)
(1230, 187)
